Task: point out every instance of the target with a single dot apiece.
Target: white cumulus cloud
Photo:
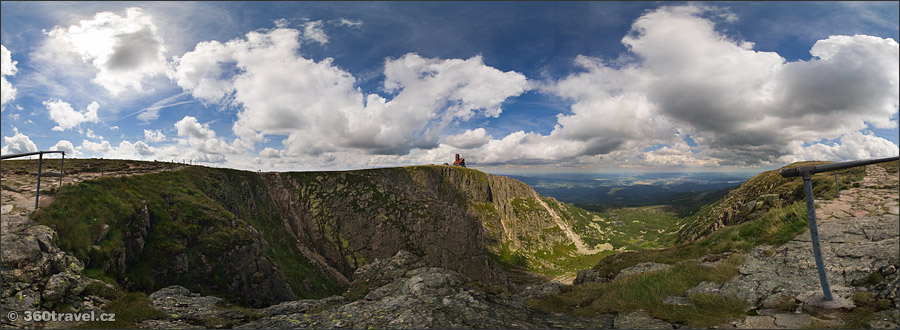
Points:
(67, 147)
(204, 145)
(153, 136)
(126, 150)
(852, 146)
(270, 153)
(469, 139)
(18, 143)
(124, 50)
(743, 107)
(66, 117)
(318, 106)
(7, 68)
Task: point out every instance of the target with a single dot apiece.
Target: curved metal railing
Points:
(37, 192)
(806, 173)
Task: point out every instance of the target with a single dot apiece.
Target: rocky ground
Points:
(859, 233)
(37, 276)
(396, 293)
(859, 238)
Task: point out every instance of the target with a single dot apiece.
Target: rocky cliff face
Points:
(451, 217)
(263, 238)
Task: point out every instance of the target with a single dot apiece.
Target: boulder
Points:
(183, 307)
(747, 208)
(589, 275)
(641, 268)
(300, 306)
(639, 320)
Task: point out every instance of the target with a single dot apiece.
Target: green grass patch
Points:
(509, 260)
(130, 308)
(646, 292)
(777, 226)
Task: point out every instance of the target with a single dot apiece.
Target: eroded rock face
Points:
(354, 218)
(254, 278)
(253, 275)
(449, 217)
(37, 275)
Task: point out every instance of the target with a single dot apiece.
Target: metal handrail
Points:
(62, 160)
(797, 171)
(32, 154)
(806, 173)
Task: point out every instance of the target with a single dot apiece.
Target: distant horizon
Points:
(530, 87)
(518, 172)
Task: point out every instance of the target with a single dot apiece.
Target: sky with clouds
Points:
(513, 87)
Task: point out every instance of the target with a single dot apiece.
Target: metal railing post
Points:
(62, 162)
(37, 193)
(806, 173)
(837, 185)
(814, 235)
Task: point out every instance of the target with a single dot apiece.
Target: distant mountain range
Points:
(618, 190)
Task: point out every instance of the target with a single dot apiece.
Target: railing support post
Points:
(62, 162)
(837, 185)
(814, 235)
(37, 193)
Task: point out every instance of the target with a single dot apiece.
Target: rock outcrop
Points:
(860, 254)
(397, 293)
(38, 276)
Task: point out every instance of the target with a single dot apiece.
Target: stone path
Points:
(869, 199)
(860, 235)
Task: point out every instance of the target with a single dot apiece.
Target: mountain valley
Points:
(450, 243)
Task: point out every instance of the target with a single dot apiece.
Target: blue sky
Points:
(513, 87)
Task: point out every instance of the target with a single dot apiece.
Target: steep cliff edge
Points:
(262, 238)
(756, 196)
(456, 218)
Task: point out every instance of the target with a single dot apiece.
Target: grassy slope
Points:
(196, 210)
(646, 291)
(769, 182)
(629, 229)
